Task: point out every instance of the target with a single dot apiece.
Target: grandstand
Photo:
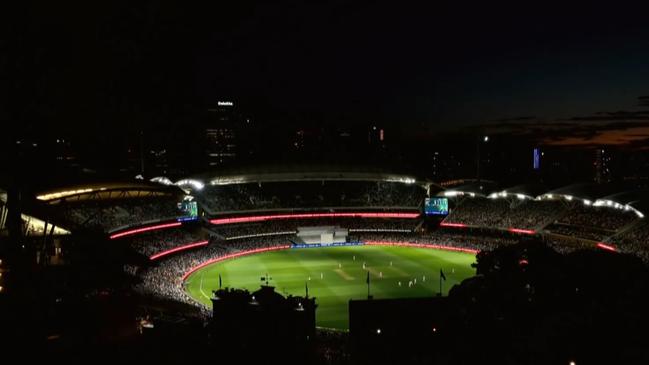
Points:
(253, 212)
(586, 212)
(109, 206)
(275, 200)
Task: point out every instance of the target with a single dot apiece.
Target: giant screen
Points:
(188, 210)
(436, 206)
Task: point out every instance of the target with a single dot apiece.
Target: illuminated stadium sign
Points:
(436, 206)
(225, 103)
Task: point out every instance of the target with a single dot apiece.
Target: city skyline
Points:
(432, 70)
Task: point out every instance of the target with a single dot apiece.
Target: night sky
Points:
(570, 75)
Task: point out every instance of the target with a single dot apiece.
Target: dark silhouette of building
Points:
(259, 323)
(406, 330)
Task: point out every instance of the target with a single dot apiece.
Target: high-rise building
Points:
(221, 134)
(376, 136)
(602, 166)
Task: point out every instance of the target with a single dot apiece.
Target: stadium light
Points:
(568, 197)
(520, 196)
(486, 138)
(587, 202)
(198, 185)
(405, 180)
(162, 180)
(229, 180)
(62, 194)
(378, 331)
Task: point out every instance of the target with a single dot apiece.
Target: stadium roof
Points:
(472, 188)
(636, 200)
(526, 191)
(105, 190)
(297, 172)
(584, 191)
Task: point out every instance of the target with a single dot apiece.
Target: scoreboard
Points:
(188, 210)
(436, 206)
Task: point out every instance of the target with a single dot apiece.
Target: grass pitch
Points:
(336, 274)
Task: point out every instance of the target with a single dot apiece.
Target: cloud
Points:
(599, 134)
(609, 138)
(643, 100)
(625, 113)
(610, 116)
(619, 128)
(628, 128)
(515, 119)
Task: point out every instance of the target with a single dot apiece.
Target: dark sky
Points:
(422, 69)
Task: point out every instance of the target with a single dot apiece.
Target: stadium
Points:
(333, 233)
(325, 183)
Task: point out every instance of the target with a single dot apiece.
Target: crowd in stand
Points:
(284, 226)
(532, 214)
(503, 213)
(444, 238)
(592, 223)
(600, 217)
(231, 231)
(154, 242)
(165, 279)
(479, 211)
(584, 232)
(577, 220)
(566, 245)
(635, 241)
(107, 216)
(311, 194)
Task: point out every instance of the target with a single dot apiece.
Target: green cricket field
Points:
(334, 275)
